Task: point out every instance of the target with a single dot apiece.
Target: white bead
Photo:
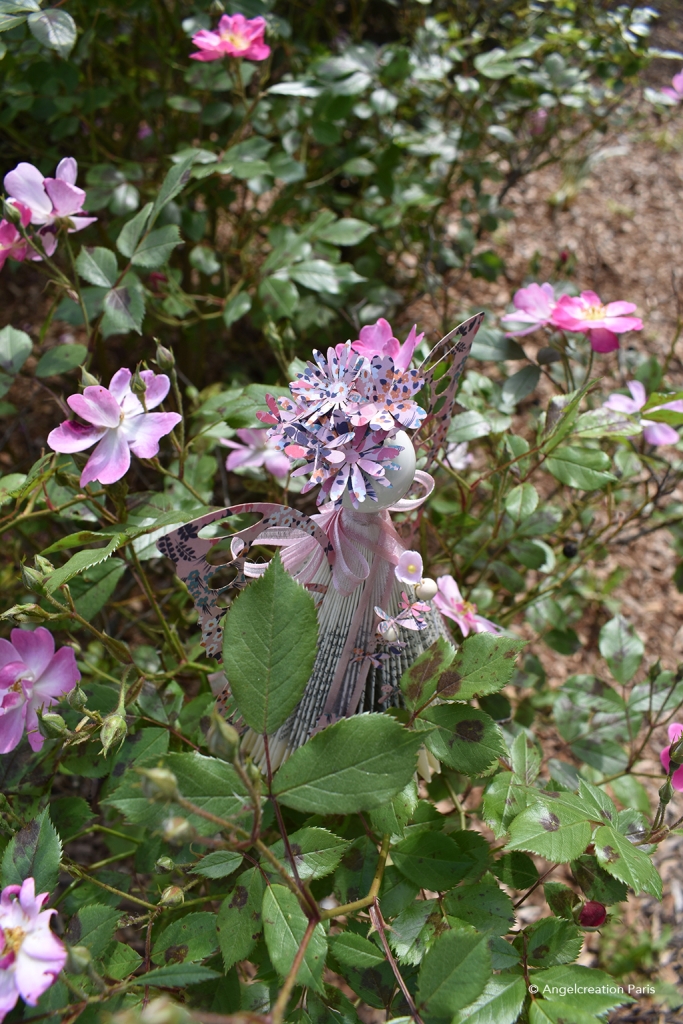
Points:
(400, 478)
(426, 589)
(390, 636)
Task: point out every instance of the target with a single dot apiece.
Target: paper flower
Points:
(235, 36)
(389, 397)
(332, 385)
(602, 323)
(653, 432)
(535, 305)
(32, 675)
(117, 419)
(353, 461)
(675, 90)
(31, 955)
(378, 340)
(451, 603)
(409, 568)
(675, 733)
(49, 199)
(257, 450)
(411, 617)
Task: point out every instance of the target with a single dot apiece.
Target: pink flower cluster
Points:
(653, 432)
(537, 306)
(235, 36)
(32, 675)
(344, 408)
(47, 203)
(31, 955)
(118, 422)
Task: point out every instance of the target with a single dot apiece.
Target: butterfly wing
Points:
(442, 370)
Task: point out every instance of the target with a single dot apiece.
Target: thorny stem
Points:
(171, 638)
(278, 1011)
(349, 908)
(378, 924)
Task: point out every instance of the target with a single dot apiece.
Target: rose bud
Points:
(592, 914)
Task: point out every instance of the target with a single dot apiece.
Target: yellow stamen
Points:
(13, 940)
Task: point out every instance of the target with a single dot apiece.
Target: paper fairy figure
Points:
(353, 427)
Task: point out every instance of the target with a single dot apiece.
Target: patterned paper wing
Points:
(442, 370)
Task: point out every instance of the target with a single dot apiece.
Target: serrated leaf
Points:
(124, 308)
(454, 972)
(284, 925)
(483, 664)
(594, 991)
(526, 760)
(516, 870)
(354, 765)
(596, 883)
(504, 799)
(83, 560)
(175, 181)
(355, 951)
(559, 833)
(551, 942)
(55, 29)
(130, 233)
(620, 858)
(154, 249)
(346, 231)
(463, 737)
(316, 851)
(98, 266)
(433, 860)
(217, 864)
(15, 348)
(280, 294)
(61, 359)
(93, 927)
(238, 307)
(414, 929)
(419, 681)
(178, 976)
(318, 275)
(500, 1002)
(122, 962)
(35, 851)
(239, 918)
(392, 818)
(269, 647)
(484, 905)
(521, 384)
(521, 502)
(193, 937)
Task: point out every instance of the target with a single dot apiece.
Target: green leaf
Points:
(239, 918)
(122, 962)
(484, 664)
(284, 925)
(359, 167)
(347, 231)
(585, 468)
(467, 426)
(193, 937)
(124, 308)
(130, 233)
(596, 883)
(93, 927)
(61, 359)
(491, 344)
(620, 858)
(317, 852)
(217, 864)
(392, 818)
(55, 29)
(279, 293)
(175, 181)
(178, 975)
(433, 860)
(418, 683)
(92, 588)
(521, 384)
(269, 647)
(354, 765)
(526, 761)
(630, 792)
(453, 973)
(505, 797)
(516, 870)
(211, 784)
(500, 1002)
(318, 275)
(15, 348)
(69, 815)
(35, 851)
(83, 560)
(495, 64)
(238, 307)
(413, 931)
(622, 648)
(155, 248)
(559, 833)
(98, 266)
(521, 502)
(355, 951)
(551, 942)
(484, 905)
(464, 738)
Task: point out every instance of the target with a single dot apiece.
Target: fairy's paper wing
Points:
(442, 370)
